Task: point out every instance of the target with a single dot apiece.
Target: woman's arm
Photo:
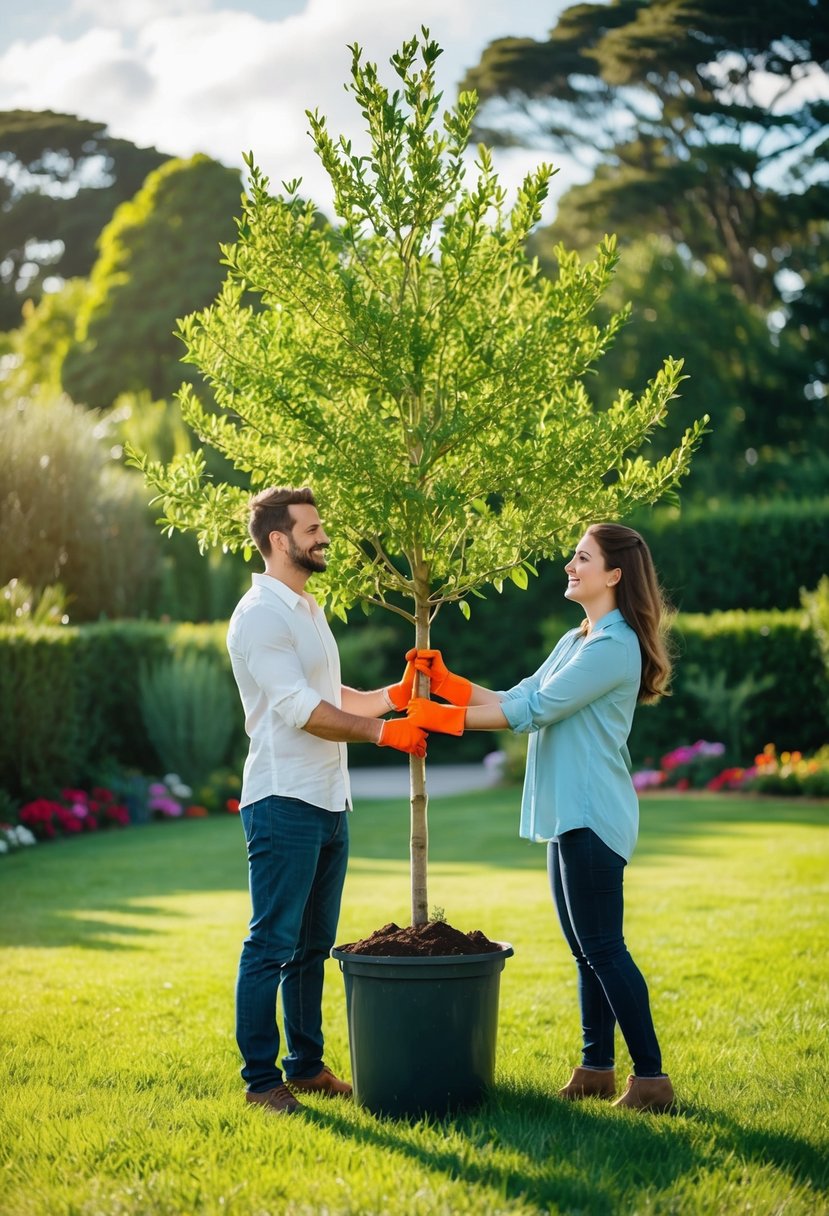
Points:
(365, 704)
(486, 716)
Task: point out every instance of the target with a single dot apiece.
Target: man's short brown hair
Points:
(269, 512)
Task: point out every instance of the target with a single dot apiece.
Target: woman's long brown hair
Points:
(641, 602)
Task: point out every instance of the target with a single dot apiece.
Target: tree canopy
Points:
(707, 126)
(414, 364)
(158, 259)
(61, 178)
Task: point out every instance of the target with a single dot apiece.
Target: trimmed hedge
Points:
(736, 555)
(733, 647)
(70, 701)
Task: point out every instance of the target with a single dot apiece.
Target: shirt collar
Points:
(609, 618)
(275, 586)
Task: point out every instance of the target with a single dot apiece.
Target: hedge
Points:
(69, 698)
(738, 554)
(727, 650)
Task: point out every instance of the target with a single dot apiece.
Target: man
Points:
(295, 795)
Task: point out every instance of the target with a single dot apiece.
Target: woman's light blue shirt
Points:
(578, 710)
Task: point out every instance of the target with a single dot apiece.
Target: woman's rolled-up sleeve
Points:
(599, 666)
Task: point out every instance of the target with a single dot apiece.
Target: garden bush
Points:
(714, 559)
(70, 513)
(756, 677)
(189, 709)
(70, 702)
(70, 697)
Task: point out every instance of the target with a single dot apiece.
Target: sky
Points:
(228, 76)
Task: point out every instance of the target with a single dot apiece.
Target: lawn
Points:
(120, 1091)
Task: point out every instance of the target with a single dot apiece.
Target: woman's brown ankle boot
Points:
(589, 1083)
(648, 1093)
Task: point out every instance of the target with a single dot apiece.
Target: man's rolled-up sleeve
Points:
(600, 665)
(272, 657)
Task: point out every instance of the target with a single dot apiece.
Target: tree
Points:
(416, 367)
(61, 178)
(157, 261)
(699, 126)
(38, 348)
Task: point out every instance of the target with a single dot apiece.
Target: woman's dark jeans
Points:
(586, 880)
(297, 854)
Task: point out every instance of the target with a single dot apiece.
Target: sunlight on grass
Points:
(120, 1085)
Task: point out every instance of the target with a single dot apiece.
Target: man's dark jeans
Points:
(586, 880)
(297, 855)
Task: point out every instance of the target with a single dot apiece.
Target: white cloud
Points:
(135, 13)
(188, 77)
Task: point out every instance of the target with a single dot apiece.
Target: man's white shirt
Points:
(285, 661)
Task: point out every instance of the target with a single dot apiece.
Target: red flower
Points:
(232, 805)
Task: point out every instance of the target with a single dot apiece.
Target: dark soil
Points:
(432, 939)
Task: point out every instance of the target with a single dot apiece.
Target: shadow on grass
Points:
(529, 1147)
(482, 828)
(65, 893)
(102, 891)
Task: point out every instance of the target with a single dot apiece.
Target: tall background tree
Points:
(61, 178)
(158, 259)
(705, 126)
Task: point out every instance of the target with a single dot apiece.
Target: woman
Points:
(578, 794)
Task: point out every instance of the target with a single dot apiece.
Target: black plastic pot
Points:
(422, 1030)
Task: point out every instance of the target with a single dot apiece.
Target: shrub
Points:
(776, 650)
(70, 702)
(188, 710)
(816, 606)
(69, 513)
(69, 699)
(21, 603)
(714, 559)
(790, 773)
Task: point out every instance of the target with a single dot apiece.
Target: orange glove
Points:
(444, 683)
(401, 694)
(445, 719)
(404, 735)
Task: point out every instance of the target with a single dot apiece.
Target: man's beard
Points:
(306, 560)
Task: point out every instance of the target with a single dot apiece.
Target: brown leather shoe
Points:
(648, 1093)
(277, 1101)
(589, 1083)
(323, 1083)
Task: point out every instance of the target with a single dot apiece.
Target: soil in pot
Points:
(434, 939)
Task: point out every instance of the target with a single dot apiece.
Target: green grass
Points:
(119, 1085)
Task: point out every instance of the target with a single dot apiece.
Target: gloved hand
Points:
(445, 719)
(404, 735)
(444, 682)
(401, 694)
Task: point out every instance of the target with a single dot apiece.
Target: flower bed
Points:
(127, 799)
(75, 811)
(699, 766)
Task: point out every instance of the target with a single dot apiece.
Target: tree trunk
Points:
(419, 835)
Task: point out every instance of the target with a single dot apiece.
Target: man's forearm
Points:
(338, 726)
